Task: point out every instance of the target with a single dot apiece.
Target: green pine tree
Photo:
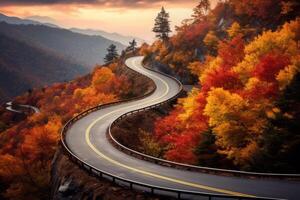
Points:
(112, 54)
(132, 46)
(162, 25)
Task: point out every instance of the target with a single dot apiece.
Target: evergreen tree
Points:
(132, 46)
(162, 25)
(112, 54)
(201, 10)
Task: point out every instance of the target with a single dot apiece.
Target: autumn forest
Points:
(244, 109)
(242, 59)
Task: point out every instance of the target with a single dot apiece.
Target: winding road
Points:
(86, 138)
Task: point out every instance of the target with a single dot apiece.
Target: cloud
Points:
(45, 2)
(106, 3)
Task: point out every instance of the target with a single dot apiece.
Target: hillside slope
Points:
(23, 67)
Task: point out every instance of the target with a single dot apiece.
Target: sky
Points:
(128, 17)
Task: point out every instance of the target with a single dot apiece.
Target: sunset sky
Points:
(129, 17)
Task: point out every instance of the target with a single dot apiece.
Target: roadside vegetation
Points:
(244, 62)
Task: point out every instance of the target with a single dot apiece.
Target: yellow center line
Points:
(200, 186)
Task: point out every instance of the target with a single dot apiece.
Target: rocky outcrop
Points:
(69, 181)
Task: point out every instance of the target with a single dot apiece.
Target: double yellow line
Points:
(88, 141)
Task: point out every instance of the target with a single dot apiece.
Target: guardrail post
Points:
(152, 190)
(209, 197)
(89, 170)
(113, 179)
(131, 185)
(179, 195)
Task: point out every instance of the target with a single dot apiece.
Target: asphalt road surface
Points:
(87, 139)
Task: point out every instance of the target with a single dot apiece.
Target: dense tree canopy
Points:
(245, 55)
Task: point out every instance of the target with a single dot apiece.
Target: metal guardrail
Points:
(180, 194)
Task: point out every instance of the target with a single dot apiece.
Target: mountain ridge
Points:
(31, 68)
(83, 49)
(37, 20)
(112, 36)
(18, 21)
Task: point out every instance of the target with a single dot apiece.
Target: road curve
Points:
(9, 107)
(86, 138)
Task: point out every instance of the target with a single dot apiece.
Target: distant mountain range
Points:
(18, 21)
(24, 67)
(83, 49)
(111, 36)
(47, 21)
(42, 19)
(33, 54)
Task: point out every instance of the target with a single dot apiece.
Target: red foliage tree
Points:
(266, 90)
(222, 78)
(232, 52)
(183, 147)
(196, 32)
(180, 137)
(166, 126)
(257, 8)
(270, 65)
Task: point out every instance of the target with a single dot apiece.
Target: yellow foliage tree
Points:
(101, 77)
(236, 122)
(211, 41)
(150, 145)
(189, 104)
(286, 75)
(196, 68)
(213, 64)
(234, 30)
(282, 41)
